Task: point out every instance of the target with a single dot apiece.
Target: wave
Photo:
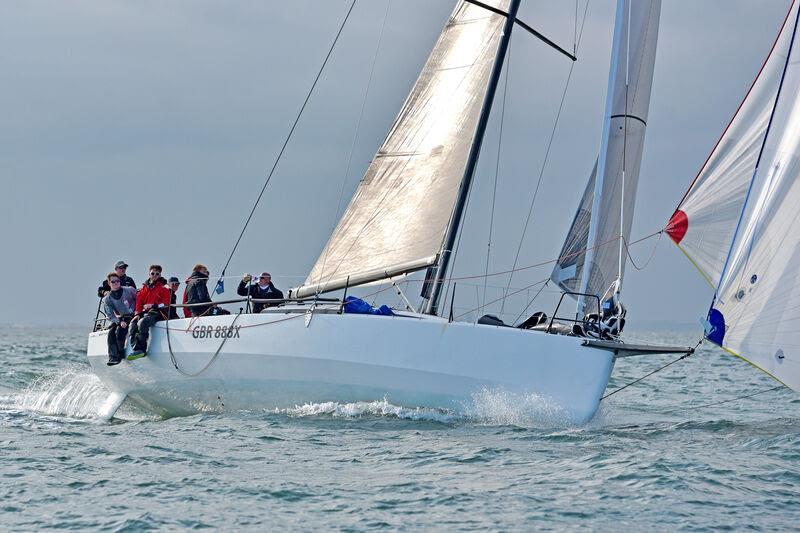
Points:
(379, 408)
(494, 407)
(72, 392)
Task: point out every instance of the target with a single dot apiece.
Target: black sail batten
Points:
(527, 28)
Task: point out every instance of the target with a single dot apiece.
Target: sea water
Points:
(656, 456)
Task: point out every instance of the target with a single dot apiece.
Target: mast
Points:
(472, 161)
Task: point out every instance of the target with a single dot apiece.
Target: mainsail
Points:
(397, 218)
(740, 223)
(594, 238)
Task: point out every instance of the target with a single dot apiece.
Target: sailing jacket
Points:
(153, 293)
(256, 292)
(120, 303)
(124, 281)
(197, 293)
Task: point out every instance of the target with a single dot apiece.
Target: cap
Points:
(265, 275)
(174, 279)
(120, 264)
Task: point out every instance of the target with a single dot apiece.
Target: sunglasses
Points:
(113, 281)
(264, 277)
(155, 273)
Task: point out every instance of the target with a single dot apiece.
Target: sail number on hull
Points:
(218, 332)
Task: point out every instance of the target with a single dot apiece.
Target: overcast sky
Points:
(143, 130)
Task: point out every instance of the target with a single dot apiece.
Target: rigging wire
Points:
(286, 142)
(736, 398)
(546, 154)
(649, 258)
(496, 171)
(659, 369)
(357, 131)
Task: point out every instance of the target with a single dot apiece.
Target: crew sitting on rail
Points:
(174, 283)
(126, 281)
(262, 290)
(119, 305)
(152, 305)
(197, 293)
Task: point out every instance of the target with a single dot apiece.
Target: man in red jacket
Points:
(152, 305)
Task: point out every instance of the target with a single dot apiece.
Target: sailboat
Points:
(403, 218)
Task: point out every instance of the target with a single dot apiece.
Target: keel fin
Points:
(110, 406)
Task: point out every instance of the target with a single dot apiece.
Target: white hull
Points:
(280, 360)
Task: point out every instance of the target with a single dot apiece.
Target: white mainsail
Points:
(616, 174)
(756, 267)
(397, 218)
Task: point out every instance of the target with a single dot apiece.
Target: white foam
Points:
(375, 408)
(72, 392)
(504, 408)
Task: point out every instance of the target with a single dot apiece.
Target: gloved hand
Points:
(246, 278)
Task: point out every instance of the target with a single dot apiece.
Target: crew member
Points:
(120, 305)
(152, 304)
(120, 268)
(197, 293)
(174, 283)
(263, 290)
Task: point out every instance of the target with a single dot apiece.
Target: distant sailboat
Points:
(739, 222)
(404, 217)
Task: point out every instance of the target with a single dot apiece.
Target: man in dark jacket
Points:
(174, 283)
(197, 291)
(263, 290)
(125, 281)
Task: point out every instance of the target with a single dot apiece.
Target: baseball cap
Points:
(173, 279)
(120, 264)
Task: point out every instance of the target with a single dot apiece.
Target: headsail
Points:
(397, 218)
(568, 271)
(755, 313)
(596, 234)
(706, 218)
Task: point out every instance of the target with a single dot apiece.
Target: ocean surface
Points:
(656, 457)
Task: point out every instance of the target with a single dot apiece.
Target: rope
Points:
(210, 361)
(531, 301)
(286, 142)
(712, 404)
(635, 381)
(496, 172)
(650, 258)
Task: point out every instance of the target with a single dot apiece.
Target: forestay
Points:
(596, 234)
(397, 218)
(755, 313)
